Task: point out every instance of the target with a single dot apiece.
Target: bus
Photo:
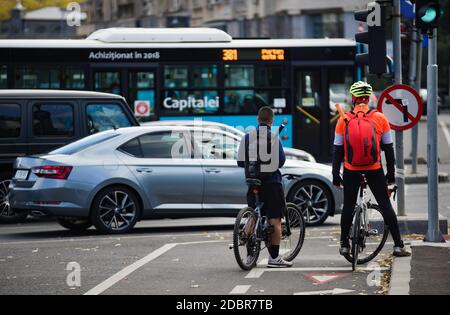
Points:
(182, 74)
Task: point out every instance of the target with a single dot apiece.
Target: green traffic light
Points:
(430, 15)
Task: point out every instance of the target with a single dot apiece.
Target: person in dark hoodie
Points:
(271, 192)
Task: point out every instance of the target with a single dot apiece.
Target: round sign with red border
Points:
(402, 105)
(142, 108)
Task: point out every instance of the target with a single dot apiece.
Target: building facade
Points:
(45, 23)
(240, 18)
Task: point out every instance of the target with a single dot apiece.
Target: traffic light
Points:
(375, 37)
(428, 14)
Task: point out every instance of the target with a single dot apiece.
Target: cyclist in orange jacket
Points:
(363, 156)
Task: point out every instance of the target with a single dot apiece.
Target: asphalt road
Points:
(181, 257)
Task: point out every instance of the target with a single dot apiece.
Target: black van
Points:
(39, 121)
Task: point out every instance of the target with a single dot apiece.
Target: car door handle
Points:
(213, 171)
(144, 170)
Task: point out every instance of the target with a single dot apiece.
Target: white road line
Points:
(105, 285)
(102, 287)
(263, 262)
(73, 240)
(241, 289)
(387, 243)
(258, 272)
(202, 242)
(255, 273)
(445, 131)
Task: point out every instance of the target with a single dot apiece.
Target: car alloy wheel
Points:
(117, 211)
(5, 209)
(313, 200)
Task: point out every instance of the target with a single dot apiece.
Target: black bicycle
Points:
(252, 229)
(367, 240)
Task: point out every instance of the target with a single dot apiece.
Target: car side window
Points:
(217, 146)
(161, 145)
(53, 120)
(102, 117)
(10, 120)
(166, 145)
(133, 148)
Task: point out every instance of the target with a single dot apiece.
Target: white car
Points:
(291, 154)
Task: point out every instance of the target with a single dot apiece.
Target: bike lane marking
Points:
(258, 272)
(240, 289)
(110, 282)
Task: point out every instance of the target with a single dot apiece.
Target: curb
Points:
(414, 224)
(423, 178)
(401, 276)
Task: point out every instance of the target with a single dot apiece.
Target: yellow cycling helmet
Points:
(360, 89)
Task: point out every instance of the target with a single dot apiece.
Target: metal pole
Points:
(434, 234)
(418, 86)
(398, 134)
(413, 70)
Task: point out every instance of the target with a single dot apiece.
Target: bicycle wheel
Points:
(375, 237)
(246, 247)
(356, 232)
(292, 244)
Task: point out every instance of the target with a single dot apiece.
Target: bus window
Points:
(108, 82)
(186, 103)
(270, 76)
(142, 88)
(248, 88)
(176, 77)
(248, 102)
(37, 77)
(3, 77)
(74, 78)
(239, 76)
(190, 90)
(204, 77)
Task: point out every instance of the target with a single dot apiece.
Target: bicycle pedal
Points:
(373, 232)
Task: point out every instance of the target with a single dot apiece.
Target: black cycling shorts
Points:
(272, 195)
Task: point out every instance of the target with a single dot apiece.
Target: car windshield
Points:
(85, 143)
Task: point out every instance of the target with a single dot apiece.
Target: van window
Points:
(102, 117)
(10, 120)
(53, 120)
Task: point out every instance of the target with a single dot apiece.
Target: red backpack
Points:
(361, 145)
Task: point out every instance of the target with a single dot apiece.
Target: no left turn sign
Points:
(142, 108)
(402, 105)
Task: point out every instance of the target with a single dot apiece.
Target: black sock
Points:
(274, 251)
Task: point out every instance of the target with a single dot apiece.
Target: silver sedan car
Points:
(291, 153)
(116, 178)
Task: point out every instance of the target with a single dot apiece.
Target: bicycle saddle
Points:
(254, 182)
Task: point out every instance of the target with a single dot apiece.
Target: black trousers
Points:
(272, 195)
(378, 185)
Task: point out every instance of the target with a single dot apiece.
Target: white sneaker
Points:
(279, 263)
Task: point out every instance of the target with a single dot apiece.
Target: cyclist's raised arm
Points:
(282, 155)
